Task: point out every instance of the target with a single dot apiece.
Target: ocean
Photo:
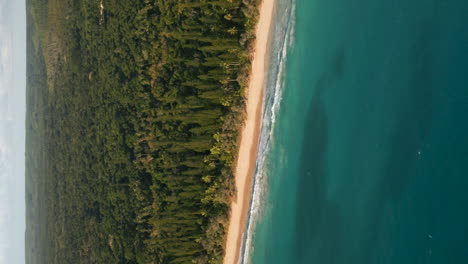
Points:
(364, 147)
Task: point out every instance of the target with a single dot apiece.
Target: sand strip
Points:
(250, 135)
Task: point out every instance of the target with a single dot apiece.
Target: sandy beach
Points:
(250, 134)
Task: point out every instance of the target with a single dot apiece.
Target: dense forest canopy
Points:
(134, 110)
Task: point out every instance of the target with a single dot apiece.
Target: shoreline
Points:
(250, 134)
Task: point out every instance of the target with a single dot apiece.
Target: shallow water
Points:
(368, 158)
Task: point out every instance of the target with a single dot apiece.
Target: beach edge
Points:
(250, 133)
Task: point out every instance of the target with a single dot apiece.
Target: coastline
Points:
(250, 134)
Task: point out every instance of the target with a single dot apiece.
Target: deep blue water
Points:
(368, 162)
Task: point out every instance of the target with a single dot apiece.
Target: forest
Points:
(134, 109)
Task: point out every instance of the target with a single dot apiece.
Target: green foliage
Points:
(134, 111)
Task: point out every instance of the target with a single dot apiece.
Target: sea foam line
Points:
(283, 36)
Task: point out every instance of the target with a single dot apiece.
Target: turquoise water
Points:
(368, 159)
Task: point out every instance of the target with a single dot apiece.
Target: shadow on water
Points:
(321, 228)
(318, 223)
(327, 79)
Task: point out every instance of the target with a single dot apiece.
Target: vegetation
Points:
(134, 110)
